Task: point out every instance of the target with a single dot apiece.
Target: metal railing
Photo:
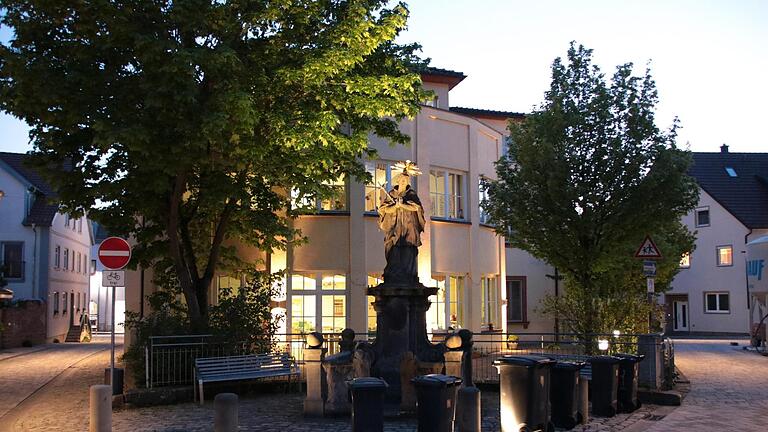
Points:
(169, 360)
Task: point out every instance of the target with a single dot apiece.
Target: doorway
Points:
(680, 315)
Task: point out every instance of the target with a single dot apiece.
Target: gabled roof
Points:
(745, 196)
(42, 211)
(443, 76)
(487, 113)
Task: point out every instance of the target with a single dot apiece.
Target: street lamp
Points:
(2, 194)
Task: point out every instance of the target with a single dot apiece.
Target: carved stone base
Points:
(401, 327)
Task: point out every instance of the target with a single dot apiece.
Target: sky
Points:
(709, 58)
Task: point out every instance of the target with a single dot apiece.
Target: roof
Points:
(487, 113)
(42, 211)
(443, 76)
(744, 196)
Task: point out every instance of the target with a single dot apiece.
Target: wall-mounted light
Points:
(2, 194)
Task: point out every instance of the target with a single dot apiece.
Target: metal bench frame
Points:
(243, 367)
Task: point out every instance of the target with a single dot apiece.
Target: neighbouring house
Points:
(44, 256)
(482, 283)
(710, 293)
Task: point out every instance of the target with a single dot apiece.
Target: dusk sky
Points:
(709, 58)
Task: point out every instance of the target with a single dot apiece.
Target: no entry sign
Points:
(114, 253)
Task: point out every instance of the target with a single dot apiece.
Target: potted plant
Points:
(512, 341)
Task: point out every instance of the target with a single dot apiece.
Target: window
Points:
(66, 259)
(66, 220)
(489, 306)
(78, 302)
(685, 260)
(64, 303)
(306, 291)
(73, 261)
(80, 225)
(702, 217)
(731, 172)
(724, 256)
(55, 303)
(516, 299)
(228, 283)
(12, 264)
(381, 175)
(447, 191)
(79, 262)
(448, 304)
(85, 263)
(57, 257)
(335, 202)
(93, 266)
(485, 218)
(373, 280)
(717, 302)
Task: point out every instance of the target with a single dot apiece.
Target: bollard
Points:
(101, 408)
(225, 417)
(468, 417)
(584, 400)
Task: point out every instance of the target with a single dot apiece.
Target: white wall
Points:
(11, 230)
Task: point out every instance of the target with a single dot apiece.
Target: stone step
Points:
(73, 335)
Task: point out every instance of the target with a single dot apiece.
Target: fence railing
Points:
(169, 360)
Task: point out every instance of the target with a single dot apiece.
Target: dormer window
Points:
(731, 172)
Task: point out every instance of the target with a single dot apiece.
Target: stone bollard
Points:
(225, 417)
(584, 399)
(468, 418)
(101, 408)
(313, 372)
(650, 371)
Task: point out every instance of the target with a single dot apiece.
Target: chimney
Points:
(724, 148)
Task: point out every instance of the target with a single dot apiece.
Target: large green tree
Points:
(587, 176)
(195, 117)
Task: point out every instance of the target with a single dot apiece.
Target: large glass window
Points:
(483, 199)
(335, 202)
(447, 306)
(489, 288)
(303, 314)
(447, 191)
(516, 299)
(12, 264)
(717, 302)
(725, 256)
(334, 313)
(318, 302)
(381, 175)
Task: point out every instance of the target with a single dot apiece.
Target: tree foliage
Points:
(587, 176)
(195, 117)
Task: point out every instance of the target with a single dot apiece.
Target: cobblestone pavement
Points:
(729, 388)
(47, 389)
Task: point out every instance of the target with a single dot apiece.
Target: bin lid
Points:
(530, 361)
(569, 365)
(367, 382)
(637, 358)
(437, 380)
(604, 359)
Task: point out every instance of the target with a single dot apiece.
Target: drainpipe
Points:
(34, 263)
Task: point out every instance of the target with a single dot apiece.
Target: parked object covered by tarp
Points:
(757, 286)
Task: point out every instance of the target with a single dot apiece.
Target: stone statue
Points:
(401, 217)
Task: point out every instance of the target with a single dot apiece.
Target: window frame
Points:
(65, 260)
(717, 255)
(454, 286)
(523, 299)
(486, 303)
(717, 295)
(447, 197)
(482, 197)
(696, 212)
(22, 262)
(56, 305)
(370, 167)
(318, 293)
(57, 257)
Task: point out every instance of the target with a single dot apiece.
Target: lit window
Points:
(229, 285)
(373, 280)
(717, 302)
(334, 313)
(447, 191)
(336, 201)
(381, 177)
(724, 256)
(447, 306)
(702, 217)
(305, 307)
(334, 282)
(685, 260)
(731, 172)
(516, 299)
(303, 316)
(302, 283)
(489, 306)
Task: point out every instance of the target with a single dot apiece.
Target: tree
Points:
(197, 117)
(587, 176)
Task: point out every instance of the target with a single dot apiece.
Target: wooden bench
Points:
(243, 367)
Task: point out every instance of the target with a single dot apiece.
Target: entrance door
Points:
(680, 316)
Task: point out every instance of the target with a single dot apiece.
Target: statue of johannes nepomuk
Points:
(401, 217)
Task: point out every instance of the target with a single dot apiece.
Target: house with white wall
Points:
(45, 253)
(710, 294)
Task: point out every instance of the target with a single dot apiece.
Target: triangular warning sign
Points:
(648, 249)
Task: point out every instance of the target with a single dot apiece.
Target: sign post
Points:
(648, 251)
(114, 254)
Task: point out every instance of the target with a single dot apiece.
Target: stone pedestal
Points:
(313, 373)
(651, 369)
(338, 370)
(401, 328)
(453, 363)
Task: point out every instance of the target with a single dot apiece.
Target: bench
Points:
(585, 372)
(243, 367)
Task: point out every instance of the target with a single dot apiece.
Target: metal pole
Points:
(112, 336)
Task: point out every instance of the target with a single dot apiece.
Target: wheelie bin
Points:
(604, 386)
(436, 402)
(564, 394)
(524, 386)
(627, 392)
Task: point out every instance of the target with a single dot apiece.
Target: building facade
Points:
(709, 294)
(45, 254)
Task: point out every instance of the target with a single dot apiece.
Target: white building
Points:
(709, 295)
(45, 253)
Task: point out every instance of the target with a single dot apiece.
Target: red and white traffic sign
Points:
(648, 249)
(114, 253)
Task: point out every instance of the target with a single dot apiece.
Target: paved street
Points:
(47, 389)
